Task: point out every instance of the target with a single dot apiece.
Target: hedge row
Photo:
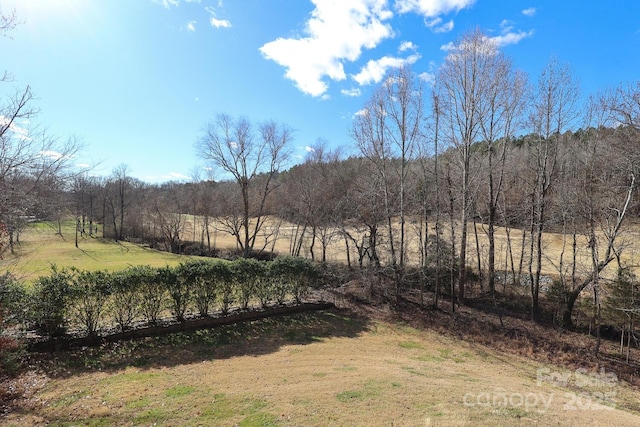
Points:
(90, 300)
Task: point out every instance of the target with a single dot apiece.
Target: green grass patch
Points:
(260, 419)
(369, 390)
(409, 345)
(128, 377)
(179, 391)
(413, 371)
(41, 247)
(143, 402)
(221, 409)
(152, 416)
(448, 353)
(430, 358)
(350, 395)
(226, 408)
(250, 405)
(69, 399)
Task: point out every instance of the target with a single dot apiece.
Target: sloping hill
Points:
(326, 368)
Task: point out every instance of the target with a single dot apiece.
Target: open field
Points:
(41, 247)
(328, 368)
(552, 243)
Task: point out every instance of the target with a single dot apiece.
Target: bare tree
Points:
(167, 215)
(387, 134)
(252, 158)
(309, 197)
(121, 197)
(30, 158)
(625, 104)
(609, 166)
(465, 86)
(505, 103)
(554, 109)
(8, 22)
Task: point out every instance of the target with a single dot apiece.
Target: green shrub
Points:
(12, 315)
(90, 292)
(13, 301)
(178, 283)
(247, 275)
(220, 273)
(152, 292)
(50, 302)
(125, 298)
(292, 275)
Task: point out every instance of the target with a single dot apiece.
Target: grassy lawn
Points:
(40, 247)
(326, 368)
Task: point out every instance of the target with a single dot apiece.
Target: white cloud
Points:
(336, 32)
(325, 97)
(432, 8)
(407, 46)
(511, 38)
(508, 37)
(168, 3)
(220, 23)
(375, 70)
(531, 11)
(351, 92)
(191, 26)
(22, 133)
(436, 25)
(362, 112)
(310, 149)
(506, 25)
(448, 47)
(214, 21)
(53, 155)
(428, 78)
(177, 175)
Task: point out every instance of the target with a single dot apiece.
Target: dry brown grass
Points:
(336, 252)
(331, 368)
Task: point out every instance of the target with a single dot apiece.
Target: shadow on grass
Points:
(251, 338)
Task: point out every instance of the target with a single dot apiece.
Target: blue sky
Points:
(137, 80)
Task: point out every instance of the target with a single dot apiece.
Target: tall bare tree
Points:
(117, 199)
(466, 84)
(30, 158)
(252, 157)
(554, 110)
(387, 134)
(505, 102)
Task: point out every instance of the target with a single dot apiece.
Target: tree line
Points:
(484, 150)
